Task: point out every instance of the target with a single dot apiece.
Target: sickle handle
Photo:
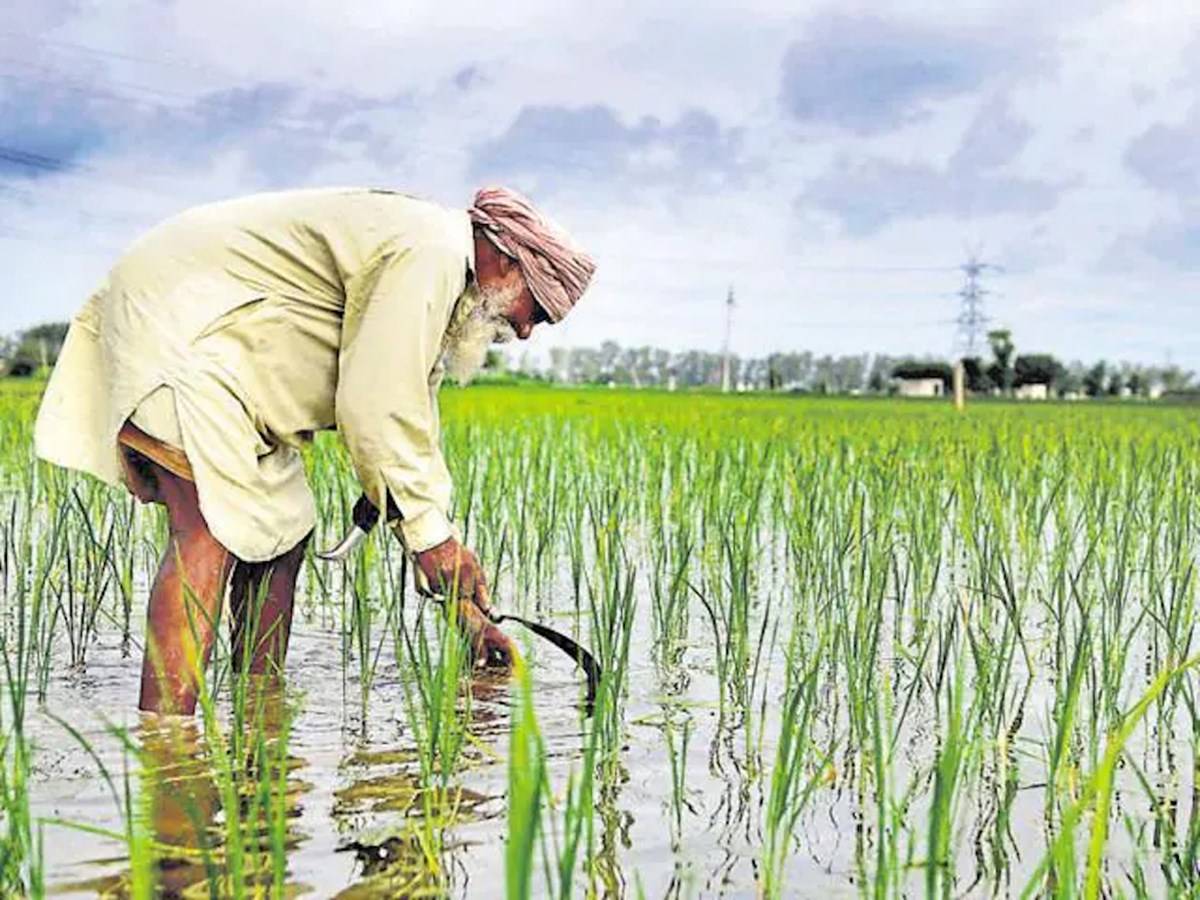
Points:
(366, 515)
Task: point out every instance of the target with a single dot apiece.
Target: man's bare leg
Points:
(262, 619)
(185, 601)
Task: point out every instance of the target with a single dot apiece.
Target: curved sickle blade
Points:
(347, 545)
(365, 515)
(586, 661)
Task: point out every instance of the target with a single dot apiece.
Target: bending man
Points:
(229, 334)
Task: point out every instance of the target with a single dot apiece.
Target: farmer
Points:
(230, 333)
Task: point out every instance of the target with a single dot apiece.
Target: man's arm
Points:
(391, 336)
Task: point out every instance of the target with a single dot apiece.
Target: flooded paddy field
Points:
(850, 648)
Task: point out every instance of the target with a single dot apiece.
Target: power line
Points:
(30, 160)
(23, 40)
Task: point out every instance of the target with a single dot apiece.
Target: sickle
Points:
(582, 657)
(365, 516)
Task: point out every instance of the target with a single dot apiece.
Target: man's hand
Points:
(454, 572)
(450, 564)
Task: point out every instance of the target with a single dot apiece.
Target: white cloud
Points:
(695, 161)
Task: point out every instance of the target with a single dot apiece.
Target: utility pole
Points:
(726, 367)
(972, 321)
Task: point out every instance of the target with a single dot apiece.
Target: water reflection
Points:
(213, 811)
(403, 840)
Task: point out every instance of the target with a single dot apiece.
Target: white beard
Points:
(477, 323)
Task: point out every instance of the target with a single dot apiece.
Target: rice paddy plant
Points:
(613, 605)
(526, 789)
(799, 765)
(574, 837)
(21, 870)
(673, 553)
(952, 761)
(438, 706)
(436, 667)
(242, 782)
(677, 756)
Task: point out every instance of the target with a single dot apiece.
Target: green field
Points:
(851, 648)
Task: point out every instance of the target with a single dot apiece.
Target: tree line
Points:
(36, 349)
(805, 372)
(32, 350)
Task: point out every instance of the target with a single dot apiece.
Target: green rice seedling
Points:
(949, 770)
(130, 807)
(577, 827)
(367, 576)
(677, 756)
(439, 725)
(613, 605)
(1096, 795)
(88, 572)
(21, 869)
(798, 765)
(433, 691)
(673, 554)
(526, 787)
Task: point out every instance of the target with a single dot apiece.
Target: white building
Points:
(920, 387)
(1033, 392)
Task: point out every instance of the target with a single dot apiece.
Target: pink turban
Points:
(556, 271)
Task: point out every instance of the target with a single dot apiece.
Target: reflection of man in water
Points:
(226, 336)
(180, 799)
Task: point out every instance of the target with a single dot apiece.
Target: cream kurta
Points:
(271, 317)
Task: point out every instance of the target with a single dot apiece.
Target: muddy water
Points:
(353, 784)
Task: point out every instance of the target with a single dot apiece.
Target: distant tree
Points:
(1116, 383)
(774, 373)
(1037, 368)
(1138, 383)
(1001, 371)
(661, 364)
(610, 351)
(755, 373)
(975, 373)
(698, 367)
(850, 372)
(1095, 380)
(558, 363)
(792, 370)
(880, 373)
(1071, 381)
(823, 375)
(35, 348)
(1174, 378)
(583, 365)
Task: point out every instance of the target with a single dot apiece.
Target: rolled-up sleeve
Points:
(391, 339)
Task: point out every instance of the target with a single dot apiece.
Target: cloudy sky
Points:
(834, 163)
